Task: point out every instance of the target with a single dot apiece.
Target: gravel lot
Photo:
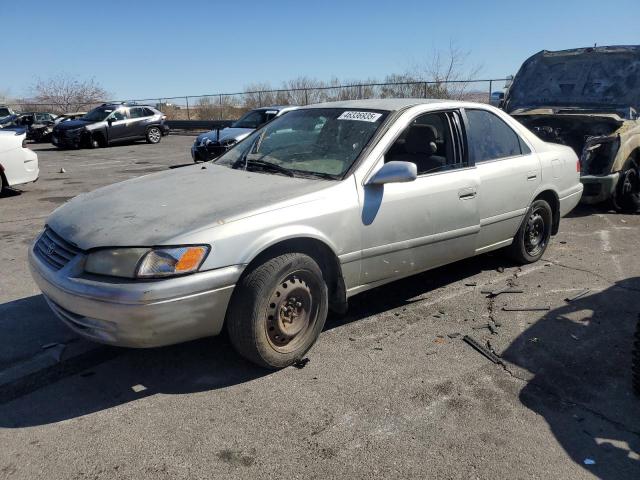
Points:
(387, 392)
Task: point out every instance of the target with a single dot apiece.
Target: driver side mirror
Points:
(110, 120)
(394, 172)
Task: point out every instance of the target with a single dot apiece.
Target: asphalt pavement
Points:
(391, 389)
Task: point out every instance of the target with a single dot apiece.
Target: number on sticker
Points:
(360, 116)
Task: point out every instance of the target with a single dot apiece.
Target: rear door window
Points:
(490, 138)
(136, 112)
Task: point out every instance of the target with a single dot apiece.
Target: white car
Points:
(18, 164)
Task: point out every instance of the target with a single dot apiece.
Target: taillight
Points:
(164, 117)
(578, 166)
(24, 143)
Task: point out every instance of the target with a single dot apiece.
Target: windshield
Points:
(319, 141)
(4, 112)
(254, 119)
(98, 114)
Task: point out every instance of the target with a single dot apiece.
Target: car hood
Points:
(602, 77)
(157, 209)
(226, 133)
(71, 124)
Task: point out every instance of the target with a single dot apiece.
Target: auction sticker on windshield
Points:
(360, 116)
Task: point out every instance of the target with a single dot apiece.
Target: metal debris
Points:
(453, 335)
(300, 364)
(138, 388)
(495, 293)
(526, 309)
(471, 284)
(577, 295)
(483, 350)
(62, 170)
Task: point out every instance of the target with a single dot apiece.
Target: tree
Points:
(64, 93)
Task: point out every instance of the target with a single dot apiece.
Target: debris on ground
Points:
(300, 364)
(526, 309)
(453, 335)
(500, 269)
(378, 348)
(138, 388)
(439, 340)
(471, 284)
(578, 295)
(351, 339)
(62, 170)
(589, 461)
(483, 350)
(495, 293)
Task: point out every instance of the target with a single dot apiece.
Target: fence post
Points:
(490, 88)
(188, 114)
(220, 110)
(424, 86)
(259, 99)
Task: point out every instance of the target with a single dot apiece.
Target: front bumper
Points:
(132, 313)
(598, 188)
(66, 139)
(165, 129)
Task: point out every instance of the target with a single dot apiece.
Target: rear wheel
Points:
(278, 310)
(627, 195)
(154, 135)
(532, 238)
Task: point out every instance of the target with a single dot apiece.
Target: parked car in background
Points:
(210, 145)
(69, 116)
(6, 111)
(318, 205)
(588, 99)
(39, 125)
(18, 164)
(496, 99)
(109, 124)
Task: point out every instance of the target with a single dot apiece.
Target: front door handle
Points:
(532, 175)
(467, 193)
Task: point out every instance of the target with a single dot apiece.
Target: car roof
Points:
(389, 104)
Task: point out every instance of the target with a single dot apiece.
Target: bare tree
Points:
(65, 93)
(449, 72)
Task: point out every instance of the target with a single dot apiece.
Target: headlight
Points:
(146, 262)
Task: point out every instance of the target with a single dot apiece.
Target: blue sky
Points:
(140, 49)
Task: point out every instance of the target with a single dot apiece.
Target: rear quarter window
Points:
(490, 138)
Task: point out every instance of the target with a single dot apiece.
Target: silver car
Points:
(318, 205)
(212, 144)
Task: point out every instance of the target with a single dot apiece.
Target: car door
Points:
(118, 125)
(509, 174)
(433, 220)
(137, 122)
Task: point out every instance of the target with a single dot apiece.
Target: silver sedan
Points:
(318, 205)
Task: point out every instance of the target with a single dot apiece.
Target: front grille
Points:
(54, 250)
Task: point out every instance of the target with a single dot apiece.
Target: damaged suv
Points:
(588, 99)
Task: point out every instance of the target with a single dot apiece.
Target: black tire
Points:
(627, 195)
(533, 236)
(2, 184)
(635, 360)
(154, 135)
(278, 310)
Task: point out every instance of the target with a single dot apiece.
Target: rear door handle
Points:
(466, 193)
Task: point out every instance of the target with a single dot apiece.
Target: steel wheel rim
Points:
(154, 134)
(535, 234)
(291, 312)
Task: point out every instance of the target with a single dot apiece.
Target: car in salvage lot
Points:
(588, 99)
(214, 143)
(316, 206)
(18, 164)
(109, 124)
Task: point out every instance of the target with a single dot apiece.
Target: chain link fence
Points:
(230, 106)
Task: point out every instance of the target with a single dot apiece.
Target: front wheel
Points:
(532, 238)
(626, 198)
(154, 135)
(278, 310)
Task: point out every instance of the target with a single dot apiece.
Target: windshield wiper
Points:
(307, 173)
(268, 166)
